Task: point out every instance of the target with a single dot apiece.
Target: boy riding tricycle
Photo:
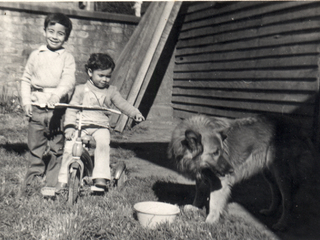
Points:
(80, 168)
(93, 120)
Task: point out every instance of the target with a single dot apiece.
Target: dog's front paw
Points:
(213, 217)
(190, 208)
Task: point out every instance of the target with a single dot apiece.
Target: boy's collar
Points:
(91, 85)
(45, 48)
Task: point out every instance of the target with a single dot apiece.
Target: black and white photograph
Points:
(159, 120)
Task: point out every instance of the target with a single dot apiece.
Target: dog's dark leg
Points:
(202, 193)
(285, 184)
(275, 193)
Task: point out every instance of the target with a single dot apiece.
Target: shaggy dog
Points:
(219, 152)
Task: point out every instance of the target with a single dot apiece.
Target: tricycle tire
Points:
(74, 186)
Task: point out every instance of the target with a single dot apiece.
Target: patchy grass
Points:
(110, 216)
(120, 153)
(8, 101)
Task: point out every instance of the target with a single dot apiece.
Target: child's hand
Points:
(28, 110)
(53, 100)
(69, 133)
(139, 117)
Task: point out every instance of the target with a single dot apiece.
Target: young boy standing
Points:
(95, 92)
(48, 78)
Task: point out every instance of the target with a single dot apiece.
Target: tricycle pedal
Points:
(97, 189)
(48, 191)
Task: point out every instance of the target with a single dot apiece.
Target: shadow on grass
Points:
(174, 193)
(154, 152)
(19, 148)
(253, 194)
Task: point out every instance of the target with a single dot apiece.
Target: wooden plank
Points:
(124, 69)
(269, 42)
(146, 62)
(309, 74)
(241, 35)
(279, 51)
(292, 62)
(159, 50)
(279, 96)
(182, 111)
(250, 85)
(306, 39)
(221, 35)
(235, 11)
(273, 17)
(239, 12)
(231, 113)
(306, 121)
(131, 57)
(209, 111)
(200, 6)
(303, 108)
(212, 27)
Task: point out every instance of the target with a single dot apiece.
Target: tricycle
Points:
(81, 167)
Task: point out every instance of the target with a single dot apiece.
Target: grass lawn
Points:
(109, 216)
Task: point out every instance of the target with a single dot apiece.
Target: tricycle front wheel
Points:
(74, 186)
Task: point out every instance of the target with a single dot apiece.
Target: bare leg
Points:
(219, 199)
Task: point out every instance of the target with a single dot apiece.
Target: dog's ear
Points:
(224, 133)
(193, 140)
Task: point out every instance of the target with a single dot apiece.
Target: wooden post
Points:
(146, 62)
(164, 41)
(131, 57)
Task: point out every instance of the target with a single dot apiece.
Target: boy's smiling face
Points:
(55, 36)
(100, 78)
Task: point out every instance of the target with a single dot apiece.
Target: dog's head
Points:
(197, 146)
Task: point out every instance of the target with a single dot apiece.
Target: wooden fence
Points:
(235, 59)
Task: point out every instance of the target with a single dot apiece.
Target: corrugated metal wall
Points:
(235, 59)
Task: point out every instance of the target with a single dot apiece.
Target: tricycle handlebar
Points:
(75, 106)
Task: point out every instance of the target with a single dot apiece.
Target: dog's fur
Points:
(208, 150)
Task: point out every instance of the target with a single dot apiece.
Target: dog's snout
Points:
(204, 165)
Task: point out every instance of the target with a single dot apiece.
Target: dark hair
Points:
(99, 61)
(60, 18)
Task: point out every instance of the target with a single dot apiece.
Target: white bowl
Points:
(152, 213)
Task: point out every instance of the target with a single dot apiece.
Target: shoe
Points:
(100, 182)
(61, 187)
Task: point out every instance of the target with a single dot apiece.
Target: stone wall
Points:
(21, 31)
